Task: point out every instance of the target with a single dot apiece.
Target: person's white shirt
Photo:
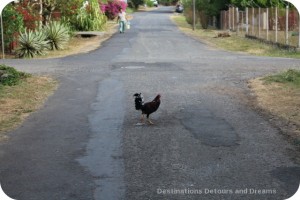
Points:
(122, 16)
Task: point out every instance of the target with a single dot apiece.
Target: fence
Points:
(278, 26)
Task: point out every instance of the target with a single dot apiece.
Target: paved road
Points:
(207, 142)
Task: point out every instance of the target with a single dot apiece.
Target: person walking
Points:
(122, 20)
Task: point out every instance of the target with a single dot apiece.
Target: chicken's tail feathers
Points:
(139, 101)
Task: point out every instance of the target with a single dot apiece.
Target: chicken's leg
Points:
(148, 119)
(142, 118)
(151, 123)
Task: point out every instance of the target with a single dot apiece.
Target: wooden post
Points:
(237, 20)
(276, 24)
(233, 18)
(194, 15)
(259, 21)
(2, 37)
(247, 21)
(242, 23)
(287, 25)
(268, 24)
(229, 18)
(299, 29)
(253, 21)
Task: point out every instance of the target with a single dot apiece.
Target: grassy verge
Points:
(290, 78)
(279, 95)
(232, 43)
(18, 101)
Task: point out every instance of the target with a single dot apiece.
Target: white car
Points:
(155, 3)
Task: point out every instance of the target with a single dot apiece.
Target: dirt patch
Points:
(281, 103)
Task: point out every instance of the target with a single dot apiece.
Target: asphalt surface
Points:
(207, 142)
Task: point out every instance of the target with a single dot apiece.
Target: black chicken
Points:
(148, 107)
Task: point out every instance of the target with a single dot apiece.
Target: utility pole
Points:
(2, 37)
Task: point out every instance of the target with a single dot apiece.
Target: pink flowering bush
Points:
(111, 9)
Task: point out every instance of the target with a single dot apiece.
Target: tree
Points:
(205, 9)
(112, 8)
(209, 8)
(135, 3)
(40, 9)
(13, 23)
(69, 8)
(46, 9)
(255, 3)
(167, 2)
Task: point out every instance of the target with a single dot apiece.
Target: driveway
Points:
(207, 142)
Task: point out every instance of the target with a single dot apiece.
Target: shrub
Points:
(32, 44)
(29, 14)
(149, 3)
(69, 10)
(291, 76)
(111, 9)
(168, 2)
(12, 24)
(57, 35)
(135, 3)
(10, 76)
(188, 11)
(90, 18)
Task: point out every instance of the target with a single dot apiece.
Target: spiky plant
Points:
(32, 44)
(58, 35)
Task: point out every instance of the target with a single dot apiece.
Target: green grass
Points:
(233, 43)
(10, 76)
(290, 77)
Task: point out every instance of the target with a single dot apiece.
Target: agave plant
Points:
(32, 44)
(58, 34)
